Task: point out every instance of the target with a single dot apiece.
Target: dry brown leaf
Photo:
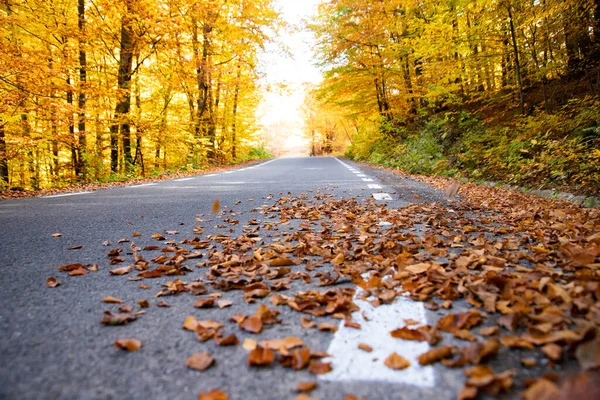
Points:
(56, 235)
(230, 340)
(542, 389)
(396, 361)
(552, 351)
(110, 299)
(215, 207)
(435, 355)
(52, 282)
(215, 394)
(200, 361)
(249, 344)
(78, 272)
(128, 344)
(306, 386)
(300, 358)
(120, 271)
(260, 357)
(307, 323)
(252, 324)
(281, 262)
(224, 303)
(365, 347)
(204, 303)
(190, 323)
(319, 368)
(143, 303)
(326, 326)
(280, 345)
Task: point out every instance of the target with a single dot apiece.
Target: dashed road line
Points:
(183, 179)
(143, 185)
(374, 186)
(352, 364)
(382, 196)
(367, 179)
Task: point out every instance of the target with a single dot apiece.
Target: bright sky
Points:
(285, 76)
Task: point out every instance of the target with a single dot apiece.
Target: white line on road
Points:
(367, 179)
(229, 172)
(144, 185)
(374, 186)
(64, 195)
(382, 196)
(361, 175)
(352, 364)
(211, 175)
(183, 179)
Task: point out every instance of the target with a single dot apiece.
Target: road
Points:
(53, 346)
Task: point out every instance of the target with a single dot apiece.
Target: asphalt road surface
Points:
(53, 346)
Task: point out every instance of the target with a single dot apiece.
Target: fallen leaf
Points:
(224, 303)
(52, 282)
(120, 271)
(252, 324)
(110, 299)
(78, 272)
(216, 205)
(215, 394)
(143, 303)
(128, 344)
(306, 386)
(112, 319)
(365, 347)
(552, 351)
(280, 345)
(542, 389)
(200, 361)
(204, 303)
(56, 235)
(70, 267)
(396, 361)
(75, 247)
(230, 340)
(319, 368)
(249, 344)
(326, 326)
(435, 355)
(260, 356)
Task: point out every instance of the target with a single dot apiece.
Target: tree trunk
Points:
(516, 56)
(236, 94)
(3, 156)
(121, 124)
(81, 149)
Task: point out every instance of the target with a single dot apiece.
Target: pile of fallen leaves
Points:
(528, 269)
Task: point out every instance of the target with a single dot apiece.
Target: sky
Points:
(286, 75)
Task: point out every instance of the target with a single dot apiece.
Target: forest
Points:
(490, 90)
(99, 90)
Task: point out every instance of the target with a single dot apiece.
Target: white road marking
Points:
(361, 175)
(352, 364)
(382, 196)
(64, 195)
(367, 179)
(143, 185)
(374, 186)
(229, 172)
(183, 179)
(211, 175)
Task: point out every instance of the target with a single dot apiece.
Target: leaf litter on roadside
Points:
(527, 268)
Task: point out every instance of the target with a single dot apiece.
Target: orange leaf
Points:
(396, 361)
(120, 271)
(365, 347)
(200, 361)
(260, 357)
(319, 368)
(215, 394)
(216, 205)
(110, 299)
(128, 344)
(306, 386)
(252, 324)
(52, 282)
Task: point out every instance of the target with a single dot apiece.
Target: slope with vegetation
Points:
(97, 90)
(503, 90)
